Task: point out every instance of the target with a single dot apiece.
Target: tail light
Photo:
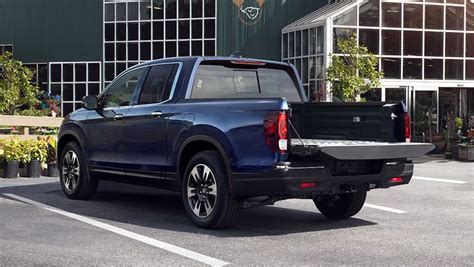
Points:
(276, 131)
(397, 179)
(308, 185)
(407, 128)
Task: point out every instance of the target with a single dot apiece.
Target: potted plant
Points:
(466, 148)
(51, 158)
(2, 153)
(466, 151)
(438, 140)
(456, 137)
(451, 136)
(11, 155)
(35, 154)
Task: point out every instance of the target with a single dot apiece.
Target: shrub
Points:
(12, 150)
(354, 72)
(458, 122)
(33, 112)
(51, 157)
(34, 149)
(16, 91)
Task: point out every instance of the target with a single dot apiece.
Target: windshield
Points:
(232, 81)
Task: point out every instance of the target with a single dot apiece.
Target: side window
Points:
(156, 89)
(169, 84)
(121, 91)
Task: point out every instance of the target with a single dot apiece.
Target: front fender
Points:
(71, 129)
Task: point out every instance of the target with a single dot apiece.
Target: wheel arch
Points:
(196, 144)
(67, 136)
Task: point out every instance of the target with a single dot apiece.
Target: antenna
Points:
(236, 54)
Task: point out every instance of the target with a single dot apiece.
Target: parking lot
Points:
(428, 222)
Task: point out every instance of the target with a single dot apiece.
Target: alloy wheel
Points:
(202, 191)
(70, 170)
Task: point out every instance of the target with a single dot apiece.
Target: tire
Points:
(341, 206)
(206, 186)
(75, 182)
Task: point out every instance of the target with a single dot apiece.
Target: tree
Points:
(16, 91)
(354, 72)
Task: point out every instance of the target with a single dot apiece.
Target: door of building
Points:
(424, 112)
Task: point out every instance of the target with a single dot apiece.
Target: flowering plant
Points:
(51, 103)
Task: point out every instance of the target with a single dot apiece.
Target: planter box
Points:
(439, 147)
(466, 152)
(455, 151)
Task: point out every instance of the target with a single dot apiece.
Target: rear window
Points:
(222, 81)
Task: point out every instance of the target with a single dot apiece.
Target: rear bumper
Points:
(285, 182)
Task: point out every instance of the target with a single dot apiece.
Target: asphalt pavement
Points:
(428, 222)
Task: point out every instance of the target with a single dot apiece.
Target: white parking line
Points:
(144, 239)
(384, 208)
(28, 182)
(438, 180)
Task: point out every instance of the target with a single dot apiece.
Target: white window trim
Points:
(73, 82)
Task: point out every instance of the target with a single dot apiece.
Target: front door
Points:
(145, 135)
(104, 126)
(425, 113)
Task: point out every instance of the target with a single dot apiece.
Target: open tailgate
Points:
(358, 150)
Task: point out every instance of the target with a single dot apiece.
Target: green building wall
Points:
(52, 30)
(71, 30)
(262, 39)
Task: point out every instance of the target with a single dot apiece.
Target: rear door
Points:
(145, 135)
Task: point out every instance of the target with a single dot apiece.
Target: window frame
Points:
(176, 77)
(156, 47)
(60, 84)
(293, 75)
(138, 88)
(2, 48)
(139, 84)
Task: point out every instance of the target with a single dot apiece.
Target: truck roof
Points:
(192, 59)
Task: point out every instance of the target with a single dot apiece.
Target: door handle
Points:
(118, 117)
(157, 114)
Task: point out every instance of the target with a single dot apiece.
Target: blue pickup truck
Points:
(233, 133)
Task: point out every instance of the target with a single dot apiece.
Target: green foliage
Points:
(32, 112)
(12, 150)
(45, 131)
(34, 149)
(51, 149)
(15, 87)
(458, 122)
(353, 73)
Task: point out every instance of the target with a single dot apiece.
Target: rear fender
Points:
(207, 134)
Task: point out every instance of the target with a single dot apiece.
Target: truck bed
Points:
(357, 150)
(372, 121)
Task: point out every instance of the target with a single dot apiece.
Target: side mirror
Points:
(89, 102)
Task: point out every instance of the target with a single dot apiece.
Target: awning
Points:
(319, 16)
